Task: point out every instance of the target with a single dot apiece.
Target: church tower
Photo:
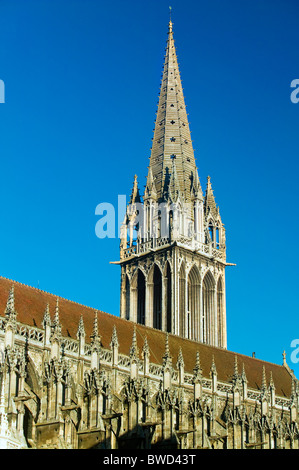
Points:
(172, 250)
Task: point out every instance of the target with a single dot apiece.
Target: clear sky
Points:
(82, 79)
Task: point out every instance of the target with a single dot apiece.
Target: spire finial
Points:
(170, 22)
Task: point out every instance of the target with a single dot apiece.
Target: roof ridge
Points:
(208, 346)
(54, 295)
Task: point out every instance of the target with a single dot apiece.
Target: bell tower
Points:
(172, 250)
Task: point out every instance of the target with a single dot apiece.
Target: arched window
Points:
(168, 299)
(182, 301)
(220, 312)
(208, 287)
(127, 298)
(157, 306)
(192, 319)
(140, 298)
(211, 231)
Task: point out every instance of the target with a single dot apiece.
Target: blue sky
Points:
(82, 79)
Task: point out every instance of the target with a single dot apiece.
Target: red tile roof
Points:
(30, 304)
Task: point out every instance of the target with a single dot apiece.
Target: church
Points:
(160, 375)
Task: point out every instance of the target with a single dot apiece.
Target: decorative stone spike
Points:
(11, 325)
(209, 200)
(236, 371)
(264, 382)
(134, 352)
(56, 321)
(181, 366)
(145, 349)
(167, 357)
(135, 195)
(272, 389)
(167, 365)
(47, 325)
(95, 337)
(197, 369)
(10, 305)
(213, 374)
(146, 356)
(114, 338)
(47, 318)
(180, 361)
(114, 346)
(81, 329)
(56, 334)
(81, 336)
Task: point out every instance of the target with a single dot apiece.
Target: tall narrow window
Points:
(157, 312)
(168, 299)
(220, 311)
(211, 232)
(182, 304)
(140, 298)
(207, 307)
(193, 304)
(127, 298)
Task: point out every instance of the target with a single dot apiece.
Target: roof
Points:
(30, 304)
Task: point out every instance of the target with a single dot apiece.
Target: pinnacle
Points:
(81, 329)
(114, 338)
(135, 195)
(209, 201)
(10, 305)
(134, 348)
(47, 318)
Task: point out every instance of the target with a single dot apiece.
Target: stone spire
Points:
(264, 381)
(209, 200)
(135, 195)
(174, 187)
(10, 304)
(81, 329)
(46, 318)
(172, 138)
(150, 189)
(56, 321)
(95, 337)
(134, 351)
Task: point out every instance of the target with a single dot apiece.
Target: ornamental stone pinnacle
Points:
(10, 305)
(81, 329)
(114, 339)
(167, 359)
(134, 352)
(180, 361)
(47, 318)
(95, 337)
